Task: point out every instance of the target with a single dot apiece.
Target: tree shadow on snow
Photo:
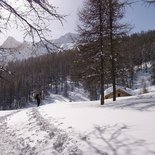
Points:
(113, 140)
(141, 103)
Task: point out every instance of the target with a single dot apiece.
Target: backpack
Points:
(36, 96)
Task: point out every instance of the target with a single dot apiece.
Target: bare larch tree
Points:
(100, 30)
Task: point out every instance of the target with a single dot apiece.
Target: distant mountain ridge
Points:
(12, 49)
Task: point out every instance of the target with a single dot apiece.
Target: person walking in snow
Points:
(38, 98)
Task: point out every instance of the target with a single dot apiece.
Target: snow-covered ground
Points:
(124, 127)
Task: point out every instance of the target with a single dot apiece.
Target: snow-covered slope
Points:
(143, 76)
(15, 50)
(73, 96)
(124, 127)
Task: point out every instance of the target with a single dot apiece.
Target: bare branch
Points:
(32, 18)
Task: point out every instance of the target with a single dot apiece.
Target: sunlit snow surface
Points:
(124, 127)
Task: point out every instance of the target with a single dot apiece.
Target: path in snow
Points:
(31, 134)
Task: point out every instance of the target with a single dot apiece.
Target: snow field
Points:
(124, 127)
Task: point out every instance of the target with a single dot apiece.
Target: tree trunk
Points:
(102, 54)
(112, 52)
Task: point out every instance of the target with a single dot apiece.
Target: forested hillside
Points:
(54, 71)
(49, 72)
(131, 54)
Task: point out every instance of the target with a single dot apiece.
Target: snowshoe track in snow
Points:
(59, 138)
(34, 135)
(9, 141)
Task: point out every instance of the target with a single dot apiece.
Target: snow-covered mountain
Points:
(66, 41)
(12, 49)
(10, 43)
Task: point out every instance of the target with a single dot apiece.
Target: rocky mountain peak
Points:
(10, 42)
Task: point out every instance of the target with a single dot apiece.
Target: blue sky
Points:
(141, 16)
